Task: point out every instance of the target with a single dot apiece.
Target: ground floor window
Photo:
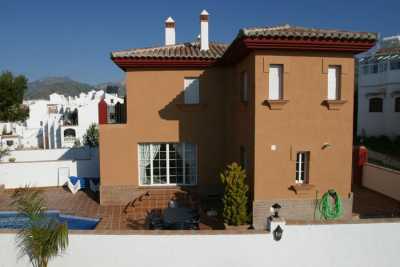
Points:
(302, 167)
(168, 164)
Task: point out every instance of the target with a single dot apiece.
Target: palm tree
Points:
(42, 238)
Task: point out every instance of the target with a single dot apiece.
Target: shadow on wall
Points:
(87, 161)
(203, 124)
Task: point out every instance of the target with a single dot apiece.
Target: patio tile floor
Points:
(367, 203)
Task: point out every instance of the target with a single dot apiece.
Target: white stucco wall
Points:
(40, 168)
(378, 123)
(383, 180)
(367, 245)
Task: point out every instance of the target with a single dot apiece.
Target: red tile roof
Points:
(178, 51)
(288, 31)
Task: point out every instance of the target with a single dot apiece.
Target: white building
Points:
(56, 123)
(379, 89)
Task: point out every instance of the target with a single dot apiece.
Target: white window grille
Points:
(275, 82)
(302, 167)
(191, 91)
(168, 164)
(334, 82)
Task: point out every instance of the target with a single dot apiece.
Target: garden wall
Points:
(360, 244)
(383, 180)
(43, 168)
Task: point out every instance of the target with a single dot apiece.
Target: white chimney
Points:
(169, 31)
(204, 30)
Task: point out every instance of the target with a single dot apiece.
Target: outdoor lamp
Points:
(277, 233)
(275, 210)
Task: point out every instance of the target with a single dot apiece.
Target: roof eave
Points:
(162, 63)
(243, 45)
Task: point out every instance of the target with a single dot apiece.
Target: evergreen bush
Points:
(235, 199)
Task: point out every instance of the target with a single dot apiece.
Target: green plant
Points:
(77, 143)
(42, 238)
(12, 159)
(12, 90)
(235, 199)
(91, 138)
(4, 152)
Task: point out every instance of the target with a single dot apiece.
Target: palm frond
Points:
(42, 238)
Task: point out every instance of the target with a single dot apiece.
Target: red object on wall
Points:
(102, 112)
(360, 157)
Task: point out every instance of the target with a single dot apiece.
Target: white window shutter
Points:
(333, 83)
(275, 82)
(191, 91)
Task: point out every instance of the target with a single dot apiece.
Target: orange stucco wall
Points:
(303, 124)
(221, 124)
(154, 115)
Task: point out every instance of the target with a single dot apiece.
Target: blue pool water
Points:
(13, 220)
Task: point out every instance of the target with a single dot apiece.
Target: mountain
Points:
(112, 88)
(41, 89)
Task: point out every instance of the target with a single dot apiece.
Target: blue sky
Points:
(74, 38)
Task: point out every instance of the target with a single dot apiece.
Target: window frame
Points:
(397, 104)
(370, 106)
(168, 167)
(244, 87)
(280, 89)
(338, 82)
(186, 99)
(302, 167)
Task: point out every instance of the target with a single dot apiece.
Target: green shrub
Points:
(91, 138)
(235, 199)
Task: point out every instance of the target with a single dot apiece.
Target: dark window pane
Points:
(375, 104)
(397, 104)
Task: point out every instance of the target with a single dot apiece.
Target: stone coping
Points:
(355, 221)
(154, 232)
(214, 232)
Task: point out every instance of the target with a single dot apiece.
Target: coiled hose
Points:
(329, 210)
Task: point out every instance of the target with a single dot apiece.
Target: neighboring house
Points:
(58, 122)
(379, 90)
(278, 100)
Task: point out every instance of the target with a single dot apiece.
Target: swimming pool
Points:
(13, 220)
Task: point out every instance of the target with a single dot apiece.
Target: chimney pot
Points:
(169, 31)
(204, 45)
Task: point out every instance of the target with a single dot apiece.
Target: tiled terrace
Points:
(112, 217)
(367, 204)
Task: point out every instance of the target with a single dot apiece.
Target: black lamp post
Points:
(278, 233)
(275, 209)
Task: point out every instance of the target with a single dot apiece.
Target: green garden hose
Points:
(329, 210)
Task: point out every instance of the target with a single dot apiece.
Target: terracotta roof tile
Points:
(183, 50)
(288, 31)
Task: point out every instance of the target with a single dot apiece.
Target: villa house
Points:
(379, 89)
(277, 100)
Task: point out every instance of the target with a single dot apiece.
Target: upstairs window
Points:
(374, 68)
(375, 104)
(395, 64)
(382, 66)
(397, 104)
(365, 69)
(244, 92)
(191, 91)
(334, 82)
(302, 167)
(275, 82)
